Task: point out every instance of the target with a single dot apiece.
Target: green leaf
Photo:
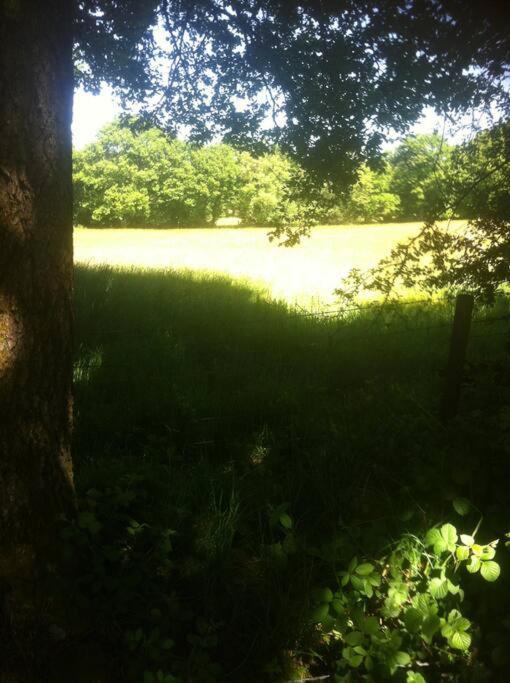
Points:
(393, 603)
(460, 640)
(413, 620)
(424, 604)
(397, 659)
(449, 534)
(462, 553)
(430, 626)
(474, 564)
(402, 658)
(367, 588)
(454, 615)
(351, 657)
(338, 606)
(490, 570)
(371, 626)
(286, 521)
(467, 539)
(453, 588)
(413, 677)
(319, 613)
(354, 638)
(357, 583)
(364, 569)
(438, 588)
(487, 553)
(461, 506)
(356, 660)
(352, 565)
(322, 595)
(434, 538)
(447, 630)
(462, 624)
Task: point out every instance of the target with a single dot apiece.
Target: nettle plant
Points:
(400, 617)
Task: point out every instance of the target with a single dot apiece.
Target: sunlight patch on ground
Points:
(305, 275)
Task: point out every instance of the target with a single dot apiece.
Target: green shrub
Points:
(403, 611)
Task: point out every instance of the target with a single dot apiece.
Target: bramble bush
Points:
(402, 614)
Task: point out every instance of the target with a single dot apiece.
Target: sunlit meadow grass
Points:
(306, 274)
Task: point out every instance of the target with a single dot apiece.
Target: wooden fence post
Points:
(457, 356)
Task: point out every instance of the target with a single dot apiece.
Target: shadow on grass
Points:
(181, 350)
(204, 409)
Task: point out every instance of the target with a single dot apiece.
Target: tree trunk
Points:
(36, 88)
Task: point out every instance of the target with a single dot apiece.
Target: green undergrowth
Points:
(233, 458)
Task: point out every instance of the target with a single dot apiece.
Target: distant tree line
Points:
(143, 178)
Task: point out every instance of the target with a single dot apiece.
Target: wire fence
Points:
(375, 322)
(332, 312)
(149, 364)
(150, 348)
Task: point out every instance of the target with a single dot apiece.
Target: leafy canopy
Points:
(333, 76)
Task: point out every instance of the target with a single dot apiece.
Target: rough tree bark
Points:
(36, 88)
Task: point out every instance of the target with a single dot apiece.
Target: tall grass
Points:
(229, 406)
(305, 274)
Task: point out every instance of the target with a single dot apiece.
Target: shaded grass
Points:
(224, 407)
(195, 354)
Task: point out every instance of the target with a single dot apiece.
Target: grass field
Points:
(205, 412)
(306, 274)
(208, 409)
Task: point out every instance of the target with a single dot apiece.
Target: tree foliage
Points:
(481, 173)
(442, 256)
(334, 77)
(132, 177)
(145, 178)
(372, 199)
(420, 166)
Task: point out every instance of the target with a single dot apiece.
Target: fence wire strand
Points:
(335, 318)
